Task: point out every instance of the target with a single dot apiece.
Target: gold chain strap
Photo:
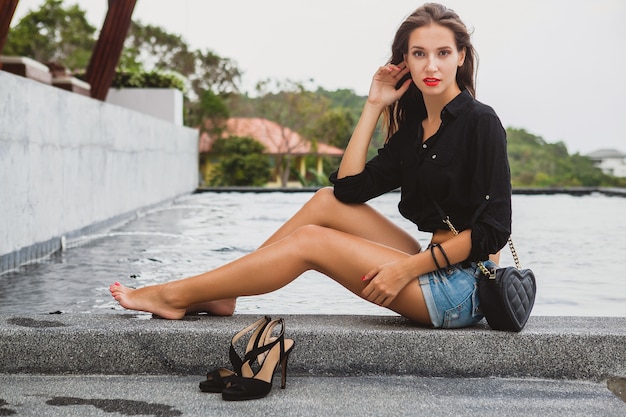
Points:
(491, 274)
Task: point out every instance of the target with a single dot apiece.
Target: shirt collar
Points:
(457, 105)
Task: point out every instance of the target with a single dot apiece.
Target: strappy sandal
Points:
(250, 385)
(217, 379)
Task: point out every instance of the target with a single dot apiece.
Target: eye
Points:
(445, 52)
(418, 53)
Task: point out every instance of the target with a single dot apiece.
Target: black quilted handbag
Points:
(507, 295)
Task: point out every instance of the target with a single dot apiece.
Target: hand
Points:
(383, 88)
(385, 282)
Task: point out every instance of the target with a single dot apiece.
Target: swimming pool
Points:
(575, 246)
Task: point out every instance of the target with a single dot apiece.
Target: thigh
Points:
(346, 258)
(360, 220)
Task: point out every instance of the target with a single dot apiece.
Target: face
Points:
(433, 60)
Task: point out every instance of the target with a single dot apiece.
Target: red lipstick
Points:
(432, 82)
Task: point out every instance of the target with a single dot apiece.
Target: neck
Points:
(435, 104)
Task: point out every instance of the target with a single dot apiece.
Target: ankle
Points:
(224, 307)
(172, 295)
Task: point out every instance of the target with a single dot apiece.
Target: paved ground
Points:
(168, 396)
(132, 365)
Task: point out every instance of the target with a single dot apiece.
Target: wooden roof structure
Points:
(108, 49)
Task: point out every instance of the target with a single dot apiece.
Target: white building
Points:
(610, 161)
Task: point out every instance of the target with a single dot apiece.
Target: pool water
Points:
(575, 246)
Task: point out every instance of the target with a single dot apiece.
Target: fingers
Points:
(384, 89)
(373, 293)
(393, 71)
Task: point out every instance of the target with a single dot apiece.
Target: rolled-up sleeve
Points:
(491, 226)
(380, 175)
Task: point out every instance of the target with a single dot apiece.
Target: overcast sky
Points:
(553, 67)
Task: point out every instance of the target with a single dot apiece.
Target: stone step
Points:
(590, 348)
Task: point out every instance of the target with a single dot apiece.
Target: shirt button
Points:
(424, 146)
(434, 156)
(487, 197)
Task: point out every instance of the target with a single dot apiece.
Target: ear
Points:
(461, 57)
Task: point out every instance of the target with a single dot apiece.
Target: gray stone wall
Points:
(69, 163)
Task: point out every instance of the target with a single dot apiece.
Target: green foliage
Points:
(149, 46)
(147, 79)
(290, 104)
(213, 108)
(352, 104)
(241, 163)
(152, 57)
(313, 179)
(537, 163)
(344, 99)
(53, 34)
(333, 127)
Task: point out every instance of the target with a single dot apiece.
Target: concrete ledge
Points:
(589, 348)
(575, 191)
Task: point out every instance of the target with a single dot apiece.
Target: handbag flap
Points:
(518, 288)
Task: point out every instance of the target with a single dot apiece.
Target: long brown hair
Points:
(412, 101)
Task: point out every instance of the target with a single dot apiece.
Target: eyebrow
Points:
(438, 49)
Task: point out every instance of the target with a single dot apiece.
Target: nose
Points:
(431, 65)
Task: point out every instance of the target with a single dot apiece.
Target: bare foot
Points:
(215, 308)
(152, 299)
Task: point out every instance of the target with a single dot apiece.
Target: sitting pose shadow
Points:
(446, 152)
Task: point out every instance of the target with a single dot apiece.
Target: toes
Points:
(115, 288)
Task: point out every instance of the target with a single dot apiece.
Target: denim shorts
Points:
(451, 295)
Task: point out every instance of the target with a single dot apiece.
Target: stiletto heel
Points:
(218, 378)
(250, 385)
(283, 371)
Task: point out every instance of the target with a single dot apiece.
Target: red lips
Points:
(432, 82)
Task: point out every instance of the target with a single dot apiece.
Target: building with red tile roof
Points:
(278, 141)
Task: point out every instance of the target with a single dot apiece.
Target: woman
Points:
(447, 153)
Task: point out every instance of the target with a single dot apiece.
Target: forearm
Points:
(457, 249)
(355, 155)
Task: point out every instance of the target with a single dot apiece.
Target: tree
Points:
(213, 72)
(289, 104)
(334, 127)
(151, 47)
(535, 162)
(210, 113)
(209, 76)
(53, 34)
(241, 163)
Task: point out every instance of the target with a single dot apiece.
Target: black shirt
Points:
(463, 167)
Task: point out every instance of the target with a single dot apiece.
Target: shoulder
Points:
(480, 109)
(468, 111)
(484, 119)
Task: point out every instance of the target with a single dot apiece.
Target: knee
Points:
(324, 197)
(309, 237)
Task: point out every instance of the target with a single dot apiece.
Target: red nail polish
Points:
(364, 277)
(117, 284)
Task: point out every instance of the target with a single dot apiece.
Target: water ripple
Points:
(564, 239)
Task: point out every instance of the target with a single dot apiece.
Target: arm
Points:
(491, 226)
(386, 281)
(382, 93)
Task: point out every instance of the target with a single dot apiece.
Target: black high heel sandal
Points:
(250, 385)
(218, 378)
